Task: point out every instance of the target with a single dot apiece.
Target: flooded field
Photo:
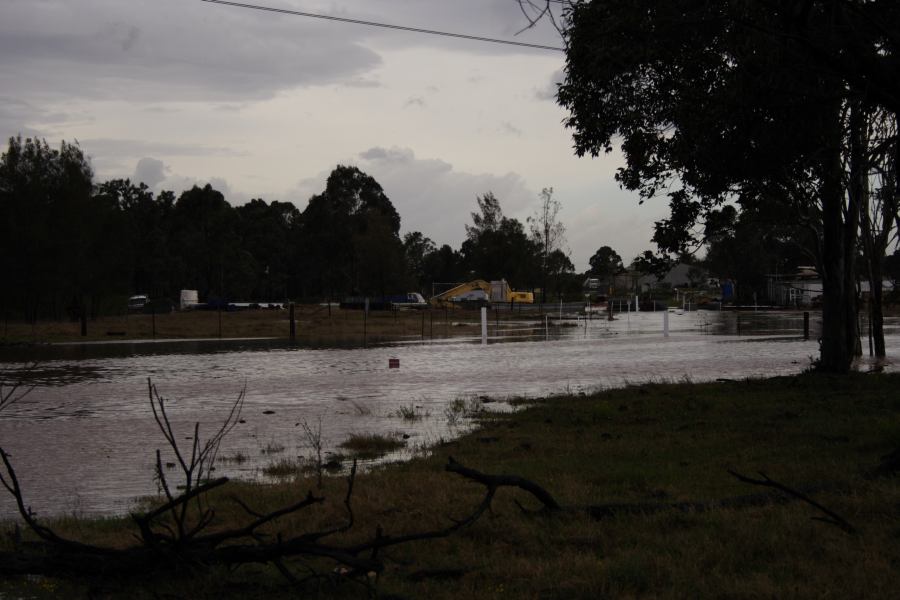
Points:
(83, 440)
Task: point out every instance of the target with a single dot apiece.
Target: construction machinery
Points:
(479, 292)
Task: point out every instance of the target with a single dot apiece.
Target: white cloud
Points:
(430, 195)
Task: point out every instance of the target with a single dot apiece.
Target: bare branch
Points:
(832, 517)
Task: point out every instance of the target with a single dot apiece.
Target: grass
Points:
(461, 408)
(411, 413)
(371, 445)
(648, 443)
(283, 468)
(238, 458)
(272, 447)
(314, 326)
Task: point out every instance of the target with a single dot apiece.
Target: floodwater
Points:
(84, 440)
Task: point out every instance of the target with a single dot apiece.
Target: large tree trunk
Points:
(838, 315)
(857, 194)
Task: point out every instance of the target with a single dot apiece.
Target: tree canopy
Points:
(736, 101)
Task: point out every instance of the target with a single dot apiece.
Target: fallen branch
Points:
(492, 482)
(185, 546)
(832, 518)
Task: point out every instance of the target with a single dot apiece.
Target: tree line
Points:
(68, 244)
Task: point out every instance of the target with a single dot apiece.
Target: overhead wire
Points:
(464, 36)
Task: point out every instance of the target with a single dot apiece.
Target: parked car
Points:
(137, 303)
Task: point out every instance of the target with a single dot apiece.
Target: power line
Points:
(385, 25)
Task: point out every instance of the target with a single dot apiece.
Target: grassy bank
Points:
(314, 324)
(651, 444)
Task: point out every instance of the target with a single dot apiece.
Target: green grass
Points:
(371, 445)
(655, 443)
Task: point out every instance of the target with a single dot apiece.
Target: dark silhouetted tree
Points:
(721, 100)
(605, 263)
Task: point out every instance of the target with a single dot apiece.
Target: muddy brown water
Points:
(83, 441)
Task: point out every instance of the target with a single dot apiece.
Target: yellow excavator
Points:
(480, 292)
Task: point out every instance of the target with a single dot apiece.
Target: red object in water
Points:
(393, 363)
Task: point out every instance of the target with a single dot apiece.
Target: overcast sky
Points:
(178, 92)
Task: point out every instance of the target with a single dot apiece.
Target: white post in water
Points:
(666, 322)
(636, 306)
(484, 325)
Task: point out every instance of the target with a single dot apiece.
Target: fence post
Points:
(484, 325)
(293, 326)
(806, 325)
(666, 322)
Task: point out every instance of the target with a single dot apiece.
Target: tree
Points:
(605, 263)
(204, 229)
(721, 100)
(560, 269)
(548, 232)
(350, 236)
(49, 225)
(416, 249)
(143, 243)
(746, 246)
(874, 175)
(444, 265)
(265, 232)
(497, 247)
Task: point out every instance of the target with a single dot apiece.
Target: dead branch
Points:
(536, 11)
(831, 517)
(492, 482)
(167, 552)
(10, 393)
(174, 536)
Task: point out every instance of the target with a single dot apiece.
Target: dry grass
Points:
(314, 326)
(283, 468)
(651, 443)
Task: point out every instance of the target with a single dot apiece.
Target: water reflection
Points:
(83, 441)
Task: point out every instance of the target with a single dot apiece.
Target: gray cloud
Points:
(163, 49)
(415, 101)
(150, 171)
(510, 129)
(137, 148)
(160, 49)
(548, 92)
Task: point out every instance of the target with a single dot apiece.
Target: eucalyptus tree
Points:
(737, 100)
(549, 234)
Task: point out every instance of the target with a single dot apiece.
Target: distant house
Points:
(804, 288)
